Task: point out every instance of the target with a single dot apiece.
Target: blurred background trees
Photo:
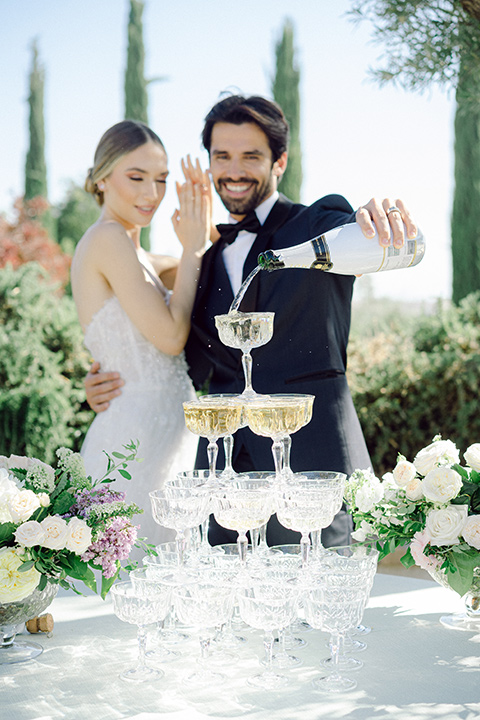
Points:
(412, 374)
(438, 41)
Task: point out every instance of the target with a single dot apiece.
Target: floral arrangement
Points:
(57, 525)
(430, 505)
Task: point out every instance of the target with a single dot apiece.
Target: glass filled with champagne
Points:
(213, 418)
(278, 417)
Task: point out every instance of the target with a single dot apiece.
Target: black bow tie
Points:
(229, 231)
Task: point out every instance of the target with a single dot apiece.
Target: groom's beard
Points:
(243, 206)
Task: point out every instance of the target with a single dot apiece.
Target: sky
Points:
(358, 140)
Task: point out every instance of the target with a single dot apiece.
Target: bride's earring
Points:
(101, 186)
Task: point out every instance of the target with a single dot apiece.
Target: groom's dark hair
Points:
(237, 110)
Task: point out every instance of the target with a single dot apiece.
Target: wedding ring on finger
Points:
(392, 209)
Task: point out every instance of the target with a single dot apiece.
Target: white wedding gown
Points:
(149, 409)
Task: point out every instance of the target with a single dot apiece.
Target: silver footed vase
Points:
(13, 614)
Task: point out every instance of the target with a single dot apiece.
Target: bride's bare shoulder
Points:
(104, 236)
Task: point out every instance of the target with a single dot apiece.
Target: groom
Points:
(247, 140)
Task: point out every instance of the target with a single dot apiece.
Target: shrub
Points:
(42, 366)
(408, 385)
(25, 239)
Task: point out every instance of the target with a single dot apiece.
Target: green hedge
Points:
(42, 366)
(410, 384)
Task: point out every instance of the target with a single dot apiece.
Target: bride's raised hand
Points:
(192, 220)
(195, 174)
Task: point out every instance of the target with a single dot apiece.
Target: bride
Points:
(133, 322)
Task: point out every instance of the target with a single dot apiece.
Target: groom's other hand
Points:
(101, 387)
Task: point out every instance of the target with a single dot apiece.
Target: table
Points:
(414, 668)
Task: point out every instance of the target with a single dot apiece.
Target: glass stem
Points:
(335, 651)
(142, 646)
(212, 452)
(204, 649)
(305, 549)
(287, 446)
(268, 641)
(263, 537)
(255, 534)
(242, 543)
(180, 540)
(204, 534)
(228, 449)
(247, 371)
(277, 451)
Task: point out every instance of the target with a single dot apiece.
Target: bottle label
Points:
(322, 260)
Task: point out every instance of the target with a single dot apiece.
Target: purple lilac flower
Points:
(84, 499)
(114, 543)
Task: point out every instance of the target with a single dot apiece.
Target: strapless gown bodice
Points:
(113, 340)
(149, 410)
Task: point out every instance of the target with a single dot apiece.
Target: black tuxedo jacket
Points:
(308, 351)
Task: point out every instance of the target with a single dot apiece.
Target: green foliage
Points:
(285, 89)
(35, 166)
(466, 200)
(136, 97)
(409, 384)
(424, 40)
(42, 366)
(75, 215)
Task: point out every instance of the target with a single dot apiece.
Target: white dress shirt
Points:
(235, 254)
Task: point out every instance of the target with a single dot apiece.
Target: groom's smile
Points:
(241, 165)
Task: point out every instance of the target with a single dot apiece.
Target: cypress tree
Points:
(136, 97)
(285, 90)
(465, 221)
(35, 166)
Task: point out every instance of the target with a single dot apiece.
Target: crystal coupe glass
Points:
(278, 417)
(204, 605)
(308, 503)
(141, 608)
(245, 331)
(334, 603)
(213, 418)
(180, 508)
(246, 503)
(268, 605)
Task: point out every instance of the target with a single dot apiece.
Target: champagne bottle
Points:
(345, 251)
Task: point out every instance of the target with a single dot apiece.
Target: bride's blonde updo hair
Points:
(117, 141)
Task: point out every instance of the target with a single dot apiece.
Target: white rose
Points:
(44, 499)
(8, 489)
(414, 489)
(79, 536)
(445, 525)
(472, 456)
(30, 533)
(441, 485)
(363, 531)
(8, 486)
(440, 452)
(56, 532)
(22, 505)
(15, 585)
(404, 472)
(369, 494)
(471, 531)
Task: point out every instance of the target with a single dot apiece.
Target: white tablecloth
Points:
(414, 669)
